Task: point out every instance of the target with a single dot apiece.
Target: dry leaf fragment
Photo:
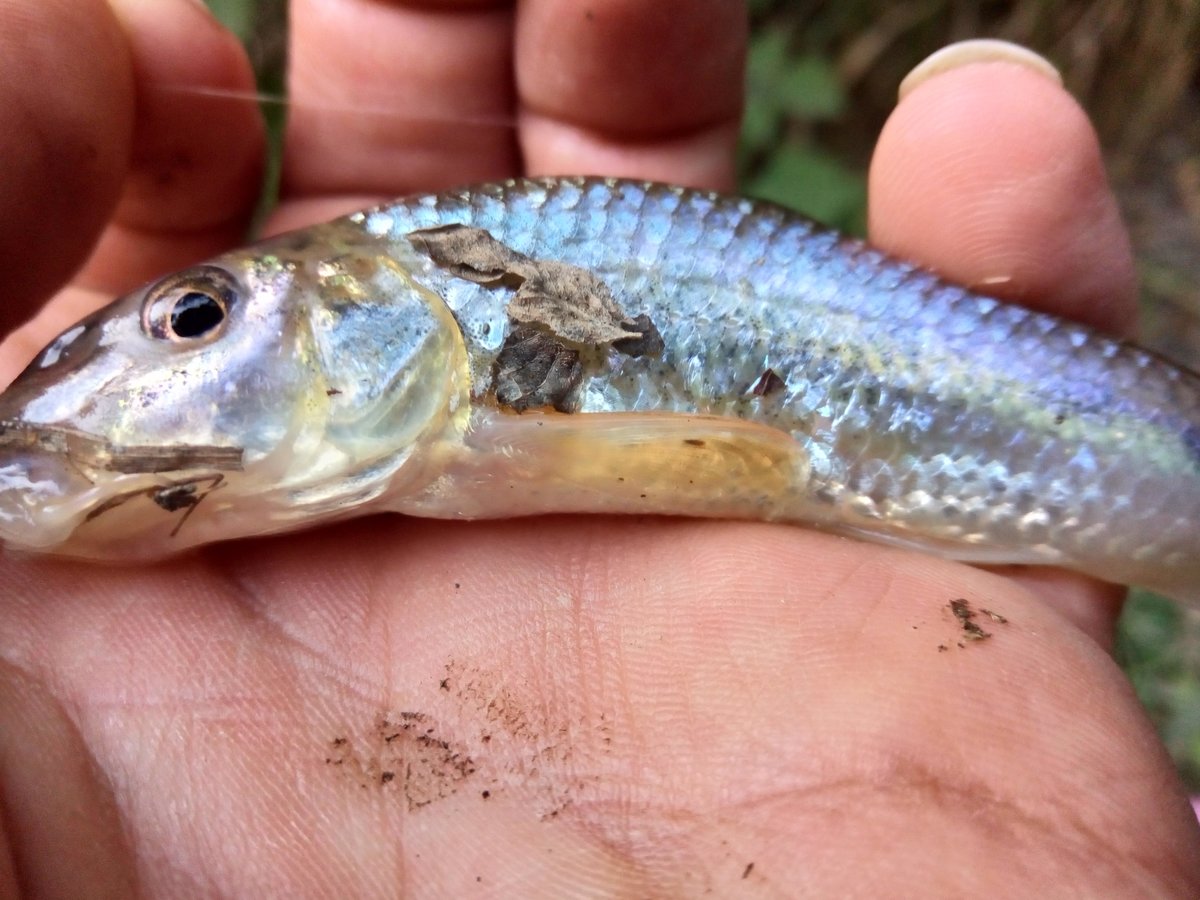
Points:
(534, 370)
(570, 301)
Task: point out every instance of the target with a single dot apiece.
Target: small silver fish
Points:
(593, 345)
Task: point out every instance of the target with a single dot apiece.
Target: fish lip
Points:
(47, 485)
(35, 493)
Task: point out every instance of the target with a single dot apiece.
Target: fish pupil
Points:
(195, 314)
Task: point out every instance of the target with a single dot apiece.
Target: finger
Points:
(61, 827)
(630, 87)
(65, 130)
(389, 97)
(194, 173)
(991, 173)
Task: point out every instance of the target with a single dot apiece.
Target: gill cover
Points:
(394, 376)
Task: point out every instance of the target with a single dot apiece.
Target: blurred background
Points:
(822, 79)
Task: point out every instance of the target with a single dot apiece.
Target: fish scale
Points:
(990, 425)
(908, 410)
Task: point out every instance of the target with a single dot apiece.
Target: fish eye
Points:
(189, 307)
(195, 314)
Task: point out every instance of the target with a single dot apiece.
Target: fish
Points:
(596, 345)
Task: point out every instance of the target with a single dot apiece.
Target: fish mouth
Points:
(71, 493)
(49, 504)
(46, 487)
(42, 498)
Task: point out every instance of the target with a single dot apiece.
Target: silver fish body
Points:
(801, 377)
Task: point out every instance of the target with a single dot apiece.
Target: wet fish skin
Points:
(355, 373)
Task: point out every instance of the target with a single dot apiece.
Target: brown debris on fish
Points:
(570, 301)
(556, 308)
(90, 452)
(535, 369)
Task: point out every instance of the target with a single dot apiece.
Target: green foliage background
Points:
(821, 80)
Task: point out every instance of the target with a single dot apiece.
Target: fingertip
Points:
(391, 98)
(990, 173)
(65, 133)
(197, 153)
(649, 90)
(631, 68)
(198, 124)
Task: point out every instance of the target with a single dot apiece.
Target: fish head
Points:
(261, 391)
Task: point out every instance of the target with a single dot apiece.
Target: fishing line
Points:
(284, 102)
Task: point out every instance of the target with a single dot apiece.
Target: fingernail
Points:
(964, 53)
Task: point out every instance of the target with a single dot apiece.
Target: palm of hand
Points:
(651, 707)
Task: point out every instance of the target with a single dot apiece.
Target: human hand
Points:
(564, 705)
